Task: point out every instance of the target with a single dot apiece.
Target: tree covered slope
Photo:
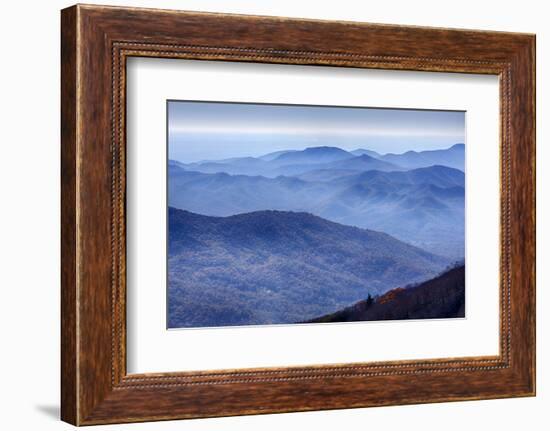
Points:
(440, 297)
(270, 267)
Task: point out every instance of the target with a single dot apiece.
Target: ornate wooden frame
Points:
(96, 41)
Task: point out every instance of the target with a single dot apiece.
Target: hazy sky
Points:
(207, 130)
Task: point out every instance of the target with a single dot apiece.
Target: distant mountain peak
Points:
(271, 156)
(365, 157)
(324, 148)
(437, 168)
(364, 162)
(314, 155)
(442, 176)
(361, 151)
(452, 156)
(172, 162)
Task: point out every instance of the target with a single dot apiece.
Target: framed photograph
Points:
(277, 216)
(264, 215)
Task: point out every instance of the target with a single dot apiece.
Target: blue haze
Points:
(208, 130)
(280, 214)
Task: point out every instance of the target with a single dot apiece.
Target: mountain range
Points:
(295, 162)
(423, 206)
(270, 267)
(452, 157)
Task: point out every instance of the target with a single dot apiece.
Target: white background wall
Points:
(29, 215)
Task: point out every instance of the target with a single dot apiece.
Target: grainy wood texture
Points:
(68, 217)
(96, 41)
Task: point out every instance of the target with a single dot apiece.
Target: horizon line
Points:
(316, 146)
